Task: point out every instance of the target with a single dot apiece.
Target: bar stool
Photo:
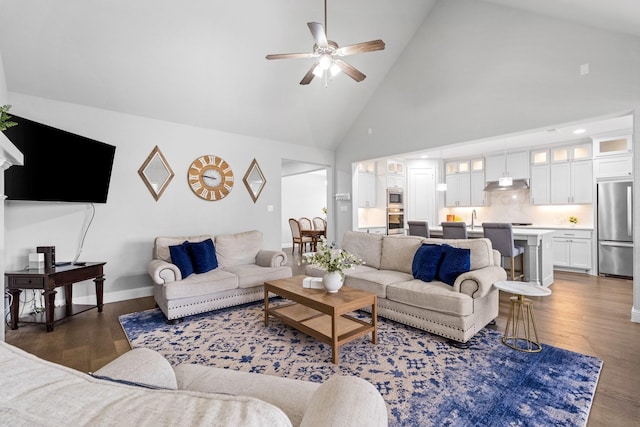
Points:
(501, 236)
(419, 228)
(454, 230)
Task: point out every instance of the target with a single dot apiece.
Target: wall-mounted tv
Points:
(59, 166)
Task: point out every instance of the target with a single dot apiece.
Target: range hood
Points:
(518, 184)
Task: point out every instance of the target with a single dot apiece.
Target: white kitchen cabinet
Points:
(465, 182)
(620, 166)
(390, 174)
(366, 190)
(571, 182)
(612, 145)
(517, 166)
(458, 190)
(570, 153)
(540, 185)
(582, 181)
(395, 181)
(478, 197)
(540, 157)
(395, 167)
(560, 175)
(457, 166)
(572, 249)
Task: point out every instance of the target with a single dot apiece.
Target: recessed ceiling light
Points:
(579, 131)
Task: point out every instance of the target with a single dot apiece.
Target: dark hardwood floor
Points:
(586, 314)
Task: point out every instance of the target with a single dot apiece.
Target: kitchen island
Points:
(538, 250)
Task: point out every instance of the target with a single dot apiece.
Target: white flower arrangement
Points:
(330, 259)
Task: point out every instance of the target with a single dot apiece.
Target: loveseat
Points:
(140, 388)
(184, 283)
(456, 311)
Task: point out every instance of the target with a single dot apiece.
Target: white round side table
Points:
(521, 314)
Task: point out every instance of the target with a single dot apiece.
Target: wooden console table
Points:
(48, 281)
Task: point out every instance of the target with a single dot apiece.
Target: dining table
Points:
(314, 234)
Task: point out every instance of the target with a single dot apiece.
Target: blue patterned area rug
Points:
(424, 380)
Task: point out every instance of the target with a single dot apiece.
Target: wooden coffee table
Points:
(321, 314)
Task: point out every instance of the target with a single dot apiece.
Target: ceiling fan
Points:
(328, 54)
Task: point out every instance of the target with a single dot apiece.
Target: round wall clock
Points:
(210, 177)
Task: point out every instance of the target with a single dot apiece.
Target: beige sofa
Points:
(457, 312)
(243, 267)
(140, 388)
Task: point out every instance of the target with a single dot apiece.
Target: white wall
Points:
(123, 230)
(303, 195)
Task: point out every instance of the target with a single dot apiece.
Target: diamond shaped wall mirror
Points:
(156, 173)
(254, 180)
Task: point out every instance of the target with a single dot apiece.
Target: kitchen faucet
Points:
(474, 216)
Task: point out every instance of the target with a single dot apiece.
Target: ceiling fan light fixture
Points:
(318, 71)
(327, 53)
(325, 61)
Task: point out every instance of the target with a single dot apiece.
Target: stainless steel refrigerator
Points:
(615, 228)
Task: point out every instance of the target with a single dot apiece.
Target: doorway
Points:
(304, 194)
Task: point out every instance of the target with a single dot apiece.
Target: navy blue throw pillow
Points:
(180, 257)
(203, 256)
(426, 261)
(455, 261)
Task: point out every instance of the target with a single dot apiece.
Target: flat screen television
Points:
(59, 166)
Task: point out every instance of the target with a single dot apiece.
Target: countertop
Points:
(522, 231)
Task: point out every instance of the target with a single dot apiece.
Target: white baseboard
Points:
(117, 296)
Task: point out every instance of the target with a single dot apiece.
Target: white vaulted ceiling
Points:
(202, 63)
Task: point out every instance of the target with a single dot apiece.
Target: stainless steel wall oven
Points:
(395, 211)
(395, 220)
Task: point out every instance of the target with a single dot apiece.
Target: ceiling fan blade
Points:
(317, 31)
(361, 47)
(291, 55)
(350, 70)
(309, 76)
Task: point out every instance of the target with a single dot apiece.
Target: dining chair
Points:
(419, 228)
(501, 236)
(320, 224)
(454, 230)
(305, 223)
(298, 238)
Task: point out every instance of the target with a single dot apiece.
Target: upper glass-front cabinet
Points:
(572, 152)
(464, 166)
(539, 157)
(477, 165)
(606, 146)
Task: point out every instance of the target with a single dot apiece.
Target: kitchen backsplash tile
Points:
(515, 206)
